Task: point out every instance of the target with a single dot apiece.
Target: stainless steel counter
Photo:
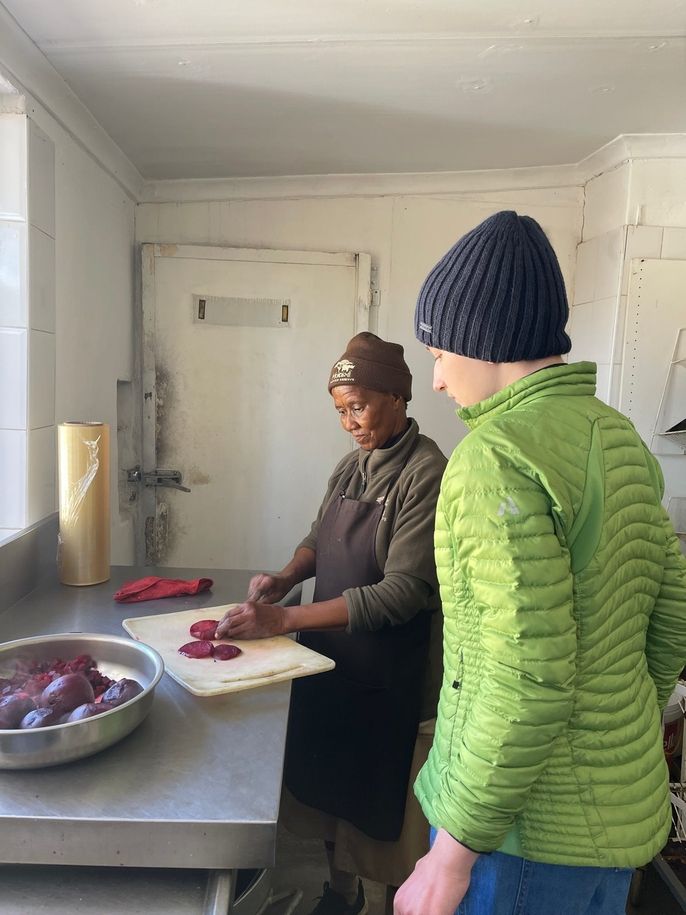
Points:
(196, 785)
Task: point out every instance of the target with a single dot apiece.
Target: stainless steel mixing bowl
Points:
(116, 658)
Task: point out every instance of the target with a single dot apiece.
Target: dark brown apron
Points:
(351, 731)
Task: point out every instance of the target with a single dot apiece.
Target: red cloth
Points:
(151, 588)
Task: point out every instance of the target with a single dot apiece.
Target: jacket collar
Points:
(575, 379)
(372, 461)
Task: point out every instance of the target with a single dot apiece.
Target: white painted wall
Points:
(405, 235)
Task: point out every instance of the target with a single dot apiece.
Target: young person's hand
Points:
(439, 880)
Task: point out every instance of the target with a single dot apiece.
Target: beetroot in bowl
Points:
(115, 658)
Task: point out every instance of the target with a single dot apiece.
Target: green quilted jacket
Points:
(564, 598)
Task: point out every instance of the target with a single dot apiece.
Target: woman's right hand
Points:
(268, 589)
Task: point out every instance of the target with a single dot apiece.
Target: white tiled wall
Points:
(591, 328)
(42, 473)
(42, 280)
(12, 378)
(42, 321)
(651, 194)
(41, 379)
(607, 201)
(674, 244)
(12, 478)
(12, 271)
(13, 322)
(27, 324)
(595, 316)
(13, 167)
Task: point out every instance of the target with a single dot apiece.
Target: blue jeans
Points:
(507, 885)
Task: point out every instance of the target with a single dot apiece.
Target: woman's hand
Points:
(268, 589)
(251, 621)
(439, 880)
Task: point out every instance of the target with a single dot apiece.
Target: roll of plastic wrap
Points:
(83, 451)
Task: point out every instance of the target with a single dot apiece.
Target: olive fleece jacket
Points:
(404, 538)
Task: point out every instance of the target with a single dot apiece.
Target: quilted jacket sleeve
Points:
(498, 523)
(666, 636)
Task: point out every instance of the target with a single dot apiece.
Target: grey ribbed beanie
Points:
(497, 295)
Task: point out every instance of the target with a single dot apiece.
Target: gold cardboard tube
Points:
(83, 452)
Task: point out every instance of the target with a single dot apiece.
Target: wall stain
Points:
(197, 477)
(164, 392)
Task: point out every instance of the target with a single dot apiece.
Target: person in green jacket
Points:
(564, 597)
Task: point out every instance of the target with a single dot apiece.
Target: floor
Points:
(302, 864)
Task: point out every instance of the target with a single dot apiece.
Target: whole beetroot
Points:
(39, 718)
(13, 708)
(121, 691)
(66, 692)
(88, 710)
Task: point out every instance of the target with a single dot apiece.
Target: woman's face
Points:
(371, 417)
(468, 381)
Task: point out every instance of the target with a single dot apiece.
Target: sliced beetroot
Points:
(224, 652)
(199, 649)
(204, 629)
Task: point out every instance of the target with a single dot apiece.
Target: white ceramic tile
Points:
(41, 379)
(590, 328)
(13, 166)
(584, 275)
(602, 390)
(12, 479)
(674, 244)
(42, 488)
(41, 180)
(606, 201)
(643, 241)
(12, 274)
(41, 280)
(13, 362)
(608, 265)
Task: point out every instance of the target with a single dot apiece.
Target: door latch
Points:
(169, 479)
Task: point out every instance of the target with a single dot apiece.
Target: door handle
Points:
(168, 479)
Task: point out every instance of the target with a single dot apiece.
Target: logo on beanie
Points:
(342, 371)
(425, 327)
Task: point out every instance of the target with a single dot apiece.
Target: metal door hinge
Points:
(170, 479)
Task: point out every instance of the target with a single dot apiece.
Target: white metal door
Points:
(237, 346)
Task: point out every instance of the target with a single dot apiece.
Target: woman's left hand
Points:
(251, 621)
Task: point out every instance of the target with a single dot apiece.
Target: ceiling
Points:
(221, 88)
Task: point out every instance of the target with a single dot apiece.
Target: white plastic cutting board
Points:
(263, 661)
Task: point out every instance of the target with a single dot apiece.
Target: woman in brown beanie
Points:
(352, 731)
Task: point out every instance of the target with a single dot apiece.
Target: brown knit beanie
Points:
(370, 362)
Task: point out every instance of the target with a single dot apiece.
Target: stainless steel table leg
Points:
(221, 887)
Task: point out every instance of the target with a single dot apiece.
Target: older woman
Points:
(352, 731)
